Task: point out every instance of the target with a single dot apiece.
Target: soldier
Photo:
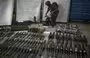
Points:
(52, 13)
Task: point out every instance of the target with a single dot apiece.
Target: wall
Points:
(6, 7)
(27, 9)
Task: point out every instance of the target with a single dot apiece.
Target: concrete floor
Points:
(85, 28)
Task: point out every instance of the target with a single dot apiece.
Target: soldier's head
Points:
(48, 3)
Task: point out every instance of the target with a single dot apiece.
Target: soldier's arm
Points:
(47, 11)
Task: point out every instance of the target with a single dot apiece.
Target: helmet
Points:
(47, 3)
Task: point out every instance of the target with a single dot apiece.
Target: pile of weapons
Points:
(23, 45)
(5, 35)
(62, 44)
(68, 28)
(66, 42)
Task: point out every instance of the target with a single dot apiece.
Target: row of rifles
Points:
(22, 45)
(63, 44)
